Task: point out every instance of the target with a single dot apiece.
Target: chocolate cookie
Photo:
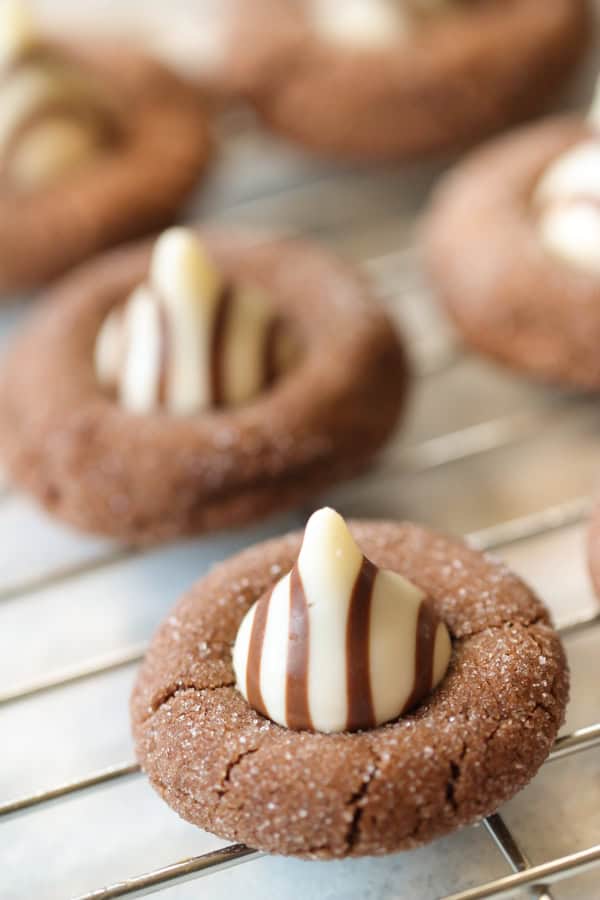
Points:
(158, 150)
(155, 476)
(509, 296)
(466, 749)
(459, 74)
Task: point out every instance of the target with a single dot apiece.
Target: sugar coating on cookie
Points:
(189, 339)
(568, 198)
(339, 644)
(467, 747)
(54, 116)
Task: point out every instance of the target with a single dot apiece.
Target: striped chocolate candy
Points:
(366, 24)
(17, 31)
(567, 198)
(372, 24)
(339, 644)
(187, 340)
(54, 116)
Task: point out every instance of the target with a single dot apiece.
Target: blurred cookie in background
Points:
(197, 383)
(397, 79)
(190, 36)
(512, 242)
(98, 143)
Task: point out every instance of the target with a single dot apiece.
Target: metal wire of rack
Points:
(424, 456)
(235, 854)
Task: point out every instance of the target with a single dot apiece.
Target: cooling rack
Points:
(506, 463)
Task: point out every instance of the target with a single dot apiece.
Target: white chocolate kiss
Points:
(17, 31)
(353, 655)
(165, 347)
(52, 116)
(568, 197)
(369, 24)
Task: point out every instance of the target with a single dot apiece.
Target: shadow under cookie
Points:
(477, 740)
(146, 478)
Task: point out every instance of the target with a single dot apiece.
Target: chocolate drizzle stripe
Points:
(255, 647)
(164, 337)
(361, 713)
(217, 345)
(123, 349)
(427, 623)
(271, 339)
(296, 689)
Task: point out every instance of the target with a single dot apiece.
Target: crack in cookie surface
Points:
(357, 804)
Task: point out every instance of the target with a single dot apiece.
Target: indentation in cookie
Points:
(189, 339)
(54, 115)
(568, 199)
(339, 644)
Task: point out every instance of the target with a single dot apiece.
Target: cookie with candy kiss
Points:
(98, 144)
(512, 244)
(339, 646)
(55, 115)
(399, 79)
(199, 381)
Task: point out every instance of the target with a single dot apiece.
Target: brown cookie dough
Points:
(509, 297)
(155, 477)
(475, 742)
(136, 185)
(468, 72)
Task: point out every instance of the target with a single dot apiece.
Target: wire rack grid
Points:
(470, 427)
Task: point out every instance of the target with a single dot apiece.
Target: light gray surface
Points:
(83, 843)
